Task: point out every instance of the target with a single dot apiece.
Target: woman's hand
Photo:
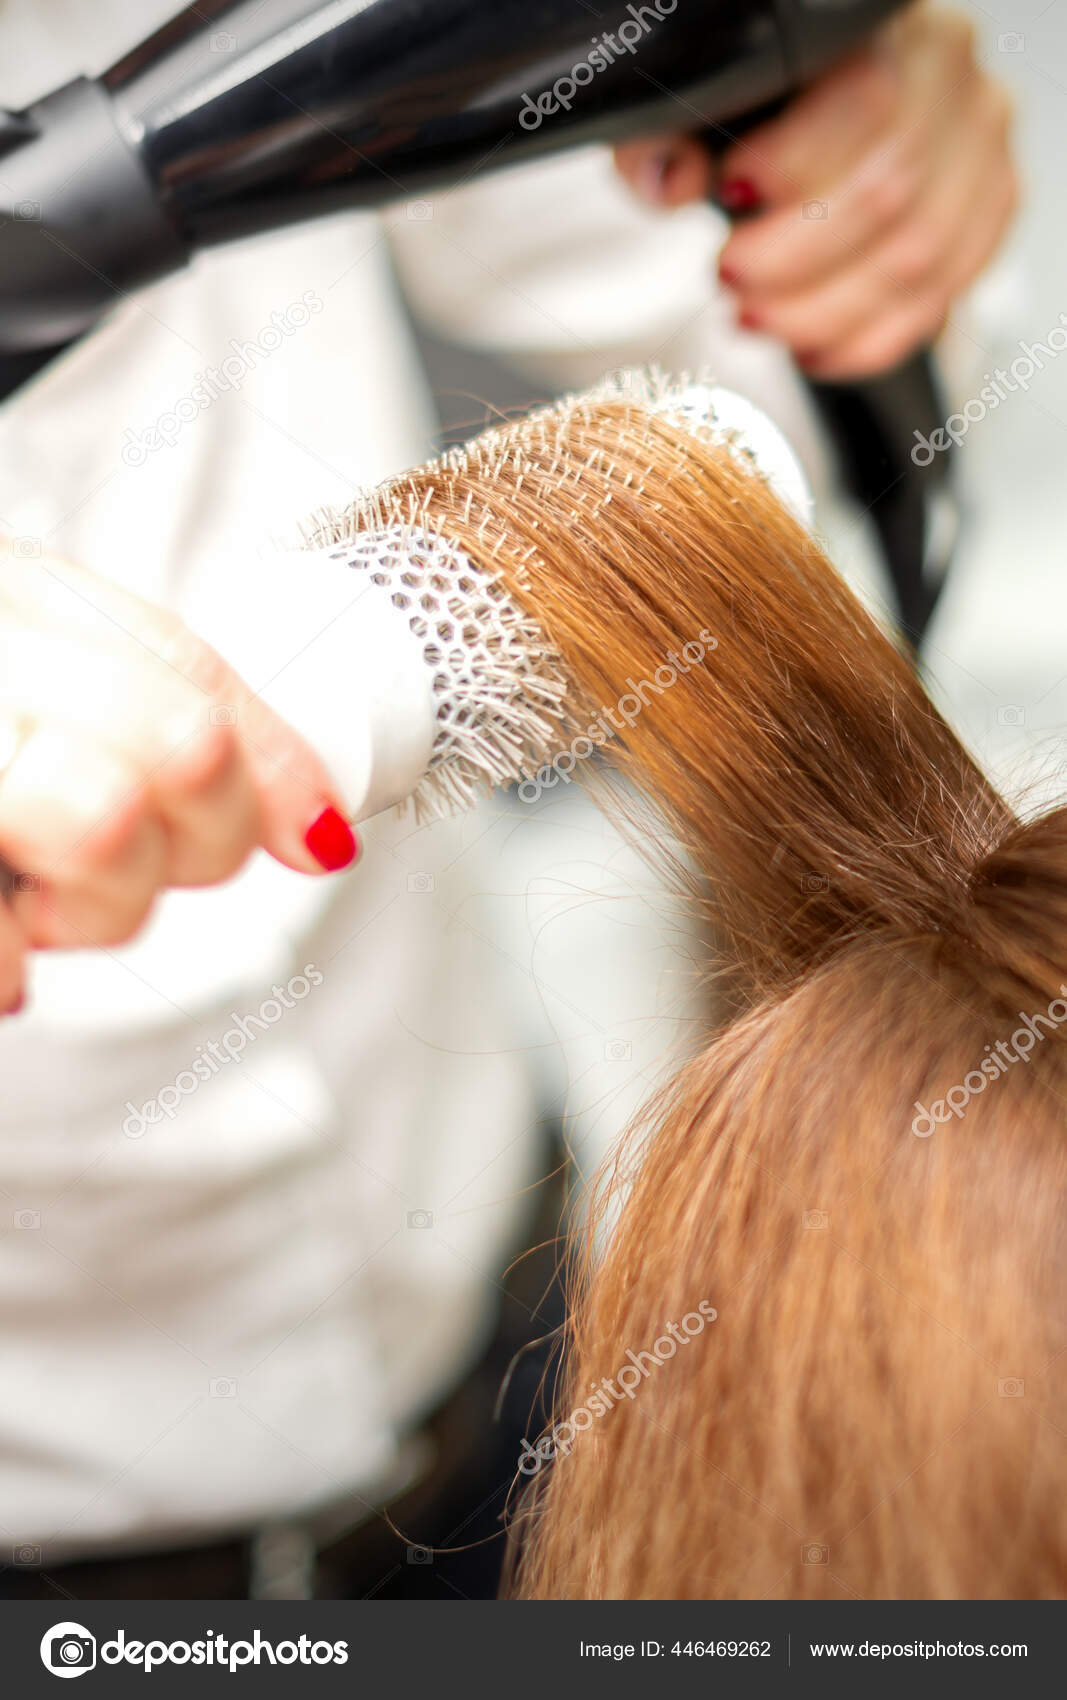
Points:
(874, 199)
(131, 758)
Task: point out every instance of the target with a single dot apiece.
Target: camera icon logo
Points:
(618, 1050)
(420, 1555)
(29, 211)
(26, 1555)
(1011, 714)
(222, 1387)
(27, 1218)
(68, 1649)
(1011, 42)
(1010, 1387)
(816, 209)
(421, 882)
(223, 42)
(812, 1553)
(816, 882)
(26, 548)
(816, 1218)
(420, 210)
(420, 1218)
(222, 714)
(27, 882)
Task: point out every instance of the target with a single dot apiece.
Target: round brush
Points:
(418, 660)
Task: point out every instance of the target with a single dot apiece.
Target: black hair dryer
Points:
(241, 116)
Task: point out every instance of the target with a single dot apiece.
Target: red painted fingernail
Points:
(749, 320)
(728, 274)
(738, 194)
(332, 841)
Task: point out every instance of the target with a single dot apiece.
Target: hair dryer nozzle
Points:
(81, 221)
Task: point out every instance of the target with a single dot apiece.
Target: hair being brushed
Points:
(863, 1173)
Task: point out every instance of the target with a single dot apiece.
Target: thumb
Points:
(667, 171)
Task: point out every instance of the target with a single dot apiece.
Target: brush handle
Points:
(873, 424)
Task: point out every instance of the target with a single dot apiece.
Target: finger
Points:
(206, 797)
(87, 852)
(909, 279)
(822, 131)
(667, 171)
(793, 247)
(880, 345)
(814, 323)
(12, 962)
(294, 792)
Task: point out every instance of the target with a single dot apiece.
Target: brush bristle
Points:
(498, 685)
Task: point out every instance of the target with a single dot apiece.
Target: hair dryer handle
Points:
(874, 424)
